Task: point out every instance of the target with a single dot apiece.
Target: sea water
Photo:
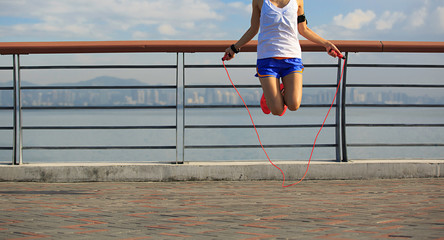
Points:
(275, 136)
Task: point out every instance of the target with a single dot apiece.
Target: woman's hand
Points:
(332, 50)
(229, 54)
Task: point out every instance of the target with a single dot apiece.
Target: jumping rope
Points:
(257, 133)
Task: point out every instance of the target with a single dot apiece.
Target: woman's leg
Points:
(273, 96)
(293, 90)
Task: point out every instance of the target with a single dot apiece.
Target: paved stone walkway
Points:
(375, 209)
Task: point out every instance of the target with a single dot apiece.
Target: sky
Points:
(109, 20)
(97, 20)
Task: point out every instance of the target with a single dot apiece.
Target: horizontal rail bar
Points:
(100, 67)
(368, 65)
(258, 126)
(254, 106)
(396, 145)
(396, 85)
(6, 108)
(257, 146)
(397, 105)
(219, 66)
(6, 88)
(253, 66)
(257, 86)
(392, 125)
(6, 128)
(97, 107)
(95, 127)
(403, 46)
(93, 87)
(190, 46)
(223, 86)
(6, 68)
(220, 106)
(97, 147)
(5, 148)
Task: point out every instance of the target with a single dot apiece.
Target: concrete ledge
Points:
(217, 171)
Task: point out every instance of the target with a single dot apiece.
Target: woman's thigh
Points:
(293, 90)
(272, 93)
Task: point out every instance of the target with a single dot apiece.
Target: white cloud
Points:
(104, 18)
(418, 18)
(167, 29)
(423, 20)
(188, 25)
(355, 20)
(241, 6)
(388, 19)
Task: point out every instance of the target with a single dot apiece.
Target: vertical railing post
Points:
(17, 152)
(179, 111)
(14, 113)
(338, 111)
(183, 107)
(343, 112)
(177, 108)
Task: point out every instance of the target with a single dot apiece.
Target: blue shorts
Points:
(272, 67)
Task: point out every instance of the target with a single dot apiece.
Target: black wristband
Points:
(234, 49)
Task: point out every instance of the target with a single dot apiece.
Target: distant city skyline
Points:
(208, 96)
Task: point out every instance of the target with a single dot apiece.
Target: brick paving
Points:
(370, 209)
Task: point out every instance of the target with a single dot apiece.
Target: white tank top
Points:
(278, 36)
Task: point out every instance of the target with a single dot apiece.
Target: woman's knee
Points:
(294, 105)
(276, 107)
(277, 111)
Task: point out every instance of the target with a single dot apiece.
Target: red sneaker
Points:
(264, 106)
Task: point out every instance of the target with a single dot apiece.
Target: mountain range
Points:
(98, 81)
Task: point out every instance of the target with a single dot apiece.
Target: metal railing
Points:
(336, 145)
(4, 128)
(18, 107)
(180, 67)
(346, 106)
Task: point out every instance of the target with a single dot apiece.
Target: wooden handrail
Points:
(205, 46)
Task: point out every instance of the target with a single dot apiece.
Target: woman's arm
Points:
(312, 36)
(251, 32)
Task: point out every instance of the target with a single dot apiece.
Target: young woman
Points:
(279, 51)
